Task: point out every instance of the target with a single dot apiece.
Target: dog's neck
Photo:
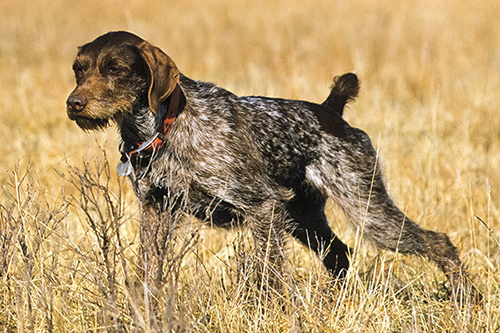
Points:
(143, 126)
(139, 126)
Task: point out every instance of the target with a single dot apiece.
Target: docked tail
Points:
(345, 89)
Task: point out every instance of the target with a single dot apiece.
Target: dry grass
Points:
(429, 99)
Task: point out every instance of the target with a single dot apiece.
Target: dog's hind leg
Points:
(310, 227)
(348, 171)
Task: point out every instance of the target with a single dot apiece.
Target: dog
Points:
(268, 163)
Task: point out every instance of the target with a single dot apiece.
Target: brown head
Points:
(116, 73)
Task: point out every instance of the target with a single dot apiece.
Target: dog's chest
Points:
(177, 188)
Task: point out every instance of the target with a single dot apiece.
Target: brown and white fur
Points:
(267, 163)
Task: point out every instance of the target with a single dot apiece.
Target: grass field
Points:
(429, 100)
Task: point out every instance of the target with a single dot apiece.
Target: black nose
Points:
(76, 103)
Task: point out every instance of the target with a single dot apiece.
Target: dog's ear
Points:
(164, 74)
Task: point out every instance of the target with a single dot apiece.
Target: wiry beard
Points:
(91, 124)
(138, 126)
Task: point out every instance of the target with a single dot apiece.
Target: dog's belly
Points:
(220, 215)
(197, 202)
(212, 210)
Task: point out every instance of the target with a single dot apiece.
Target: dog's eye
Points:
(78, 72)
(112, 70)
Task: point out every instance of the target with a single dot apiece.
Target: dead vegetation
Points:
(69, 235)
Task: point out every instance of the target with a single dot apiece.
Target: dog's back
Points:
(269, 162)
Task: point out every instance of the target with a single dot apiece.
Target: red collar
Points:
(158, 140)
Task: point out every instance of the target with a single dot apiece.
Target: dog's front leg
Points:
(156, 260)
(152, 247)
(267, 221)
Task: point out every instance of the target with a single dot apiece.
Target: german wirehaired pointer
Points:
(269, 163)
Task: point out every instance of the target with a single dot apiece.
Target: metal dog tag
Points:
(124, 168)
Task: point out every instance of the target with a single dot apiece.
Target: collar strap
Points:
(158, 140)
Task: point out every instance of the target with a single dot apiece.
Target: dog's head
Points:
(115, 73)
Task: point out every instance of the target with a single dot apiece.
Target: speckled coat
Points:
(267, 163)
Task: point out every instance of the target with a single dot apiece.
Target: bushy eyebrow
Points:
(123, 58)
(112, 60)
(80, 62)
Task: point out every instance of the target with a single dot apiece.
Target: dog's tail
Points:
(345, 89)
